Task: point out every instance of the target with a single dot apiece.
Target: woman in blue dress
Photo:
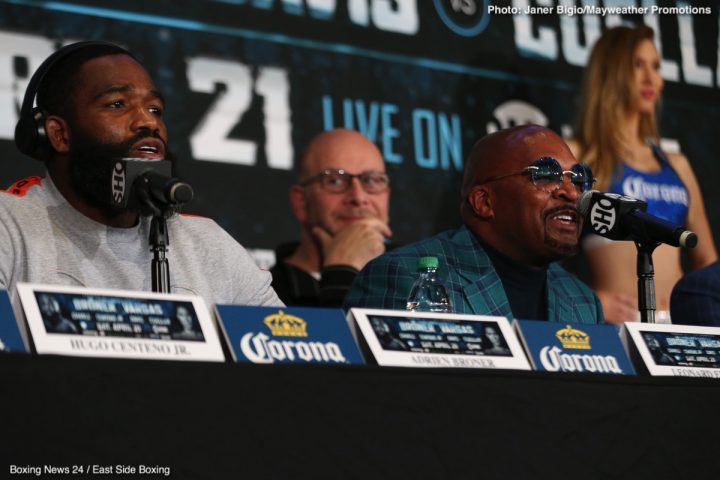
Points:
(617, 136)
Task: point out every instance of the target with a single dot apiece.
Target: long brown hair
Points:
(607, 95)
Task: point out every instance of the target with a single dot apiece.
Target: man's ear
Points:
(298, 203)
(58, 133)
(480, 202)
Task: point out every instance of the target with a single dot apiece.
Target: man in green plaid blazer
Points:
(470, 278)
(526, 220)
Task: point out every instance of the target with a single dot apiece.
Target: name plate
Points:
(442, 340)
(119, 323)
(675, 350)
(288, 335)
(558, 347)
(10, 337)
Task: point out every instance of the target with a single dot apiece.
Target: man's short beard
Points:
(91, 169)
(564, 249)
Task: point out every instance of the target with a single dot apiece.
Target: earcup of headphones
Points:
(26, 134)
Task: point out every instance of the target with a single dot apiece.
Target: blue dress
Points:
(664, 192)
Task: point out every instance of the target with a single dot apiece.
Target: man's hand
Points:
(354, 245)
(618, 307)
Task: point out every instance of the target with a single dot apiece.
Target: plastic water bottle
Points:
(428, 293)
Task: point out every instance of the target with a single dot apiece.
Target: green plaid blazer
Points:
(473, 284)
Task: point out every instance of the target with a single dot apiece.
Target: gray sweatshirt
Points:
(45, 240)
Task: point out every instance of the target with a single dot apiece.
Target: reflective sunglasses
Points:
(339, 181)
(547, 175)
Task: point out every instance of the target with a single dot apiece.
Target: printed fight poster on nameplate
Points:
(558, 347)
(288, 335)
(10, 336)
(677, 350)
(119, 323)
(445, 340)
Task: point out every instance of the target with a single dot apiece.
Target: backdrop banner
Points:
(249, 82)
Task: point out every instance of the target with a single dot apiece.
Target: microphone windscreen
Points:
(688, 239)
(583, 203)
(182, 192)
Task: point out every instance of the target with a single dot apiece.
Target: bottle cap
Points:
(427, 262)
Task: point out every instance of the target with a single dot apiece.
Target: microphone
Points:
(163, 189)
(619, 217)
(149, 183)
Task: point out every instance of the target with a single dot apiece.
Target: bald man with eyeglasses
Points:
(341, 201)
(519, 191)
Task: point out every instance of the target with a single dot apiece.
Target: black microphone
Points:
(619, 217)
(163, 189)
(147, 182)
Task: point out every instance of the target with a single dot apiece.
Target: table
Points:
(222, 421)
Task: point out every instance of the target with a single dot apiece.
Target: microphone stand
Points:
(159, 241)
(646, 281)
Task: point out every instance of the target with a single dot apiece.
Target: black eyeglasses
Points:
(339, 181)
(547, 175)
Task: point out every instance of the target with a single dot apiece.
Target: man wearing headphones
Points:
(87, 105)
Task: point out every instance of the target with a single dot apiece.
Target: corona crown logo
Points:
(573, 338)
(283, 325)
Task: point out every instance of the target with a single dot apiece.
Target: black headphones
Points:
(30, 136)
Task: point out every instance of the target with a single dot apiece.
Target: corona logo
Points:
(284, 325)
(573, 338)
(554, 360)
(259, 348)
